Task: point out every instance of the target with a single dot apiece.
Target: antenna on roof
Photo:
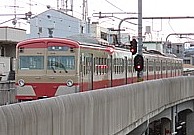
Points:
(15, 8)
(85, 10)
(64, 6)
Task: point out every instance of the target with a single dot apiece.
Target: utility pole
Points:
(140, 44)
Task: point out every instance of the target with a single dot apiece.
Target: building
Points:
(108, 34)
(175, 48)
(9, 37)
(55, 23)
(153, 45)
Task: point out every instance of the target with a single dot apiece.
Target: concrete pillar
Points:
(165, 125)
(189, 124)
(173, 119)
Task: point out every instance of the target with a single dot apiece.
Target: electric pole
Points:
(140, 44)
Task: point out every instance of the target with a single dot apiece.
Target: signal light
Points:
(133, 46)
(138, 62)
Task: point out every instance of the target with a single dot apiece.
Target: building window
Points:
(187, 62)
(2, 49)
(104, 35)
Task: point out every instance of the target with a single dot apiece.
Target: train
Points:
(48, 67)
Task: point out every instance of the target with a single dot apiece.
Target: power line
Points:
(113, 5)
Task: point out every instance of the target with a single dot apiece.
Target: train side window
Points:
(157, 65)
(154, 65)
(115, 62)
(97, 65)
(122, 67)
(163, 65)
(151, 66)
(102, 66)
(88, 66)
(94, 65)
(100, 62)
(129, 65)
(118, 65)
(84, 66)
(145, 65)
(106, 65)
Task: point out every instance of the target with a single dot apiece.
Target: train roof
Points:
(86, 38)
(159, 53)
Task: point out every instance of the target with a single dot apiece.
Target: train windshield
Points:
(31, 62)
(61, 62)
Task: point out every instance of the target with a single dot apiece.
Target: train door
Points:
(110, 71)
(86, 74)
(147, 69)
(125, 69)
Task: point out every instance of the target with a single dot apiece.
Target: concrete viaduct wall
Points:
(101, 112)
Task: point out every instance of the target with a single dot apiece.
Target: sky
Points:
(150, 8)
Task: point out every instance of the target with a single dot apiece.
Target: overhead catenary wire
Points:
(113, 5)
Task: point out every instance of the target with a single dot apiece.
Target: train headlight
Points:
(21, 82)
(69, 83)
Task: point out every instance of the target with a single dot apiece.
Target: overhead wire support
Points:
(104, 15)
(180, 34)
(166, 17)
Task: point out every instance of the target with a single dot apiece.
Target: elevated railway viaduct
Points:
(124, 110)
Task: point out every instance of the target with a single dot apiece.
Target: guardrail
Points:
(7, 92)
(111, 111)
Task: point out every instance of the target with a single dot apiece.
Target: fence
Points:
(7, 92)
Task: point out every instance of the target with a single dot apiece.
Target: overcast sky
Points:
(151, 8)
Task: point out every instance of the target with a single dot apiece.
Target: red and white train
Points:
(48, 67)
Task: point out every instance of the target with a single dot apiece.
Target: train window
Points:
(115, 62)
(94, 65)
(122, 66)
(168, 65)
(100, 62)
(145, 65)
(151, 65)
(105, 65)
(61, 62)
(84, 65)
(118, 66)
(157, 66)
(97, 63)
(88, 65)
(130, 65)
(31, 62)
(163, 65)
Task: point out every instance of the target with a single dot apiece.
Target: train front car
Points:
(46, 68)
